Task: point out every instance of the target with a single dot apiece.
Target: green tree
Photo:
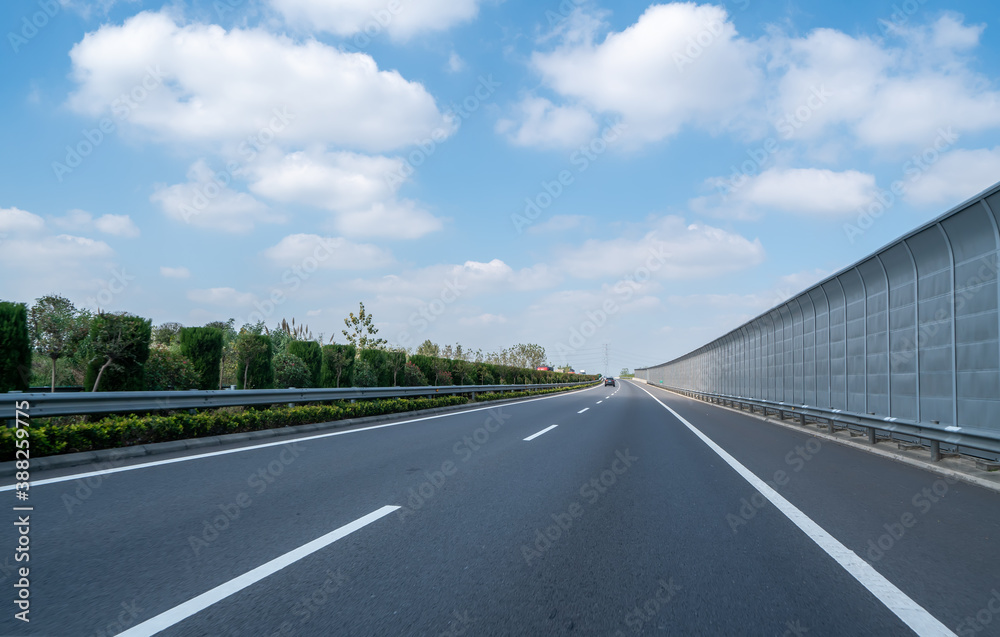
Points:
(15, 347)
(413, 377)
(395, 362)
(427, 348)
(376, 358)
(57, 328)
(311, 354)
(227, 364)
(364, 374)
(253, 355)
(119, 346)
(290, 371)
(203, 347)
(338, 365)
(167, 333)
(361, 331)
(166, 369)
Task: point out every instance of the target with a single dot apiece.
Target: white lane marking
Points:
(599, 402)
(583, 410)
(179, 613)
(911, 613)
(607, 397)
(535, 435)
(285, 441)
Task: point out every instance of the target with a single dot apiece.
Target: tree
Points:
(364, 374)
(446, 352)
(57, 328)
(15, 347)
(119, 344)
(167, 370)
(312, 355)
(413, 377)
(290, 371)
(338, 365)
(227, 363)
(362, 331)
(253, 353)
(624, 373)
(203, 347)
(427, 348)
(167, 333)
(395, 361)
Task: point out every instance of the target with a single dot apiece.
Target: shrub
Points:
(395, 362)
(310, 353)
(120, 345)
(443, 378)
(203, 347)
(15, 347)
(253, 361)
(166, 370)
(413, 377)
(290, 371)
(376, 358)
(425, 364)
(338, 366)
(364, 375)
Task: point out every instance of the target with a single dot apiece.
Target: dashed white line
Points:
(911, 613)
(179, 613)
(583, 410)
(537, 434)
(599, 402)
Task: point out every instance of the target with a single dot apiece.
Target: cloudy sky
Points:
(578, 174)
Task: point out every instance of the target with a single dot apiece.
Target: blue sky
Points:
(487, 172)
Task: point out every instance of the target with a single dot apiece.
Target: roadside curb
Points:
(945, 471)
(62, 461)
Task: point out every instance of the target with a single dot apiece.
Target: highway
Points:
(596, 512)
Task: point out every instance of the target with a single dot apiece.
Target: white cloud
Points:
(393, 220)
(455, 63)
(402, 19)
(310, 251)
(955, 177)
(558, 224)
(809, 191)
(204, 201)
(483, 320)
(334, 181)
(117, 225)
(650, 73)
(539, 122)
(228, 297)
(203, 83)
(17, 220)
(671, 249)
(175, 273)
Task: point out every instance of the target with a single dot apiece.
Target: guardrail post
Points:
(871, 435)
(935, 450)
(829, 425)
(802, 419)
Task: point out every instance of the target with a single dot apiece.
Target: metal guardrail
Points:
(45, 405)
(959, 437)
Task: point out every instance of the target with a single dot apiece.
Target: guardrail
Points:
(45, 405)
(958, 437)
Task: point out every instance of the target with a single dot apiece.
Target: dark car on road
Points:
(609, 381)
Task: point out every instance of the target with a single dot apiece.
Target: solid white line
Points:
(284, 441)
(911, 613)
(535, 435)
(179, 613)
(583, 410)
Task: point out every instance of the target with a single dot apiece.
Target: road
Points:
(597, 512)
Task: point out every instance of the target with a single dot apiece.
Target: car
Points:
(609, 381)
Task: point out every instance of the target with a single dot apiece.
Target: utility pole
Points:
(605, 359)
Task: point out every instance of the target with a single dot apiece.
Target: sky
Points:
(618, 182)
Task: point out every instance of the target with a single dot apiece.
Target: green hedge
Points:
(376, 358)
(312, 355)
(259, 373)
(15, 347)
(203, 347)
(338, 366)
(123, 431)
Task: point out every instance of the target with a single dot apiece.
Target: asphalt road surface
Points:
(611, 511)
